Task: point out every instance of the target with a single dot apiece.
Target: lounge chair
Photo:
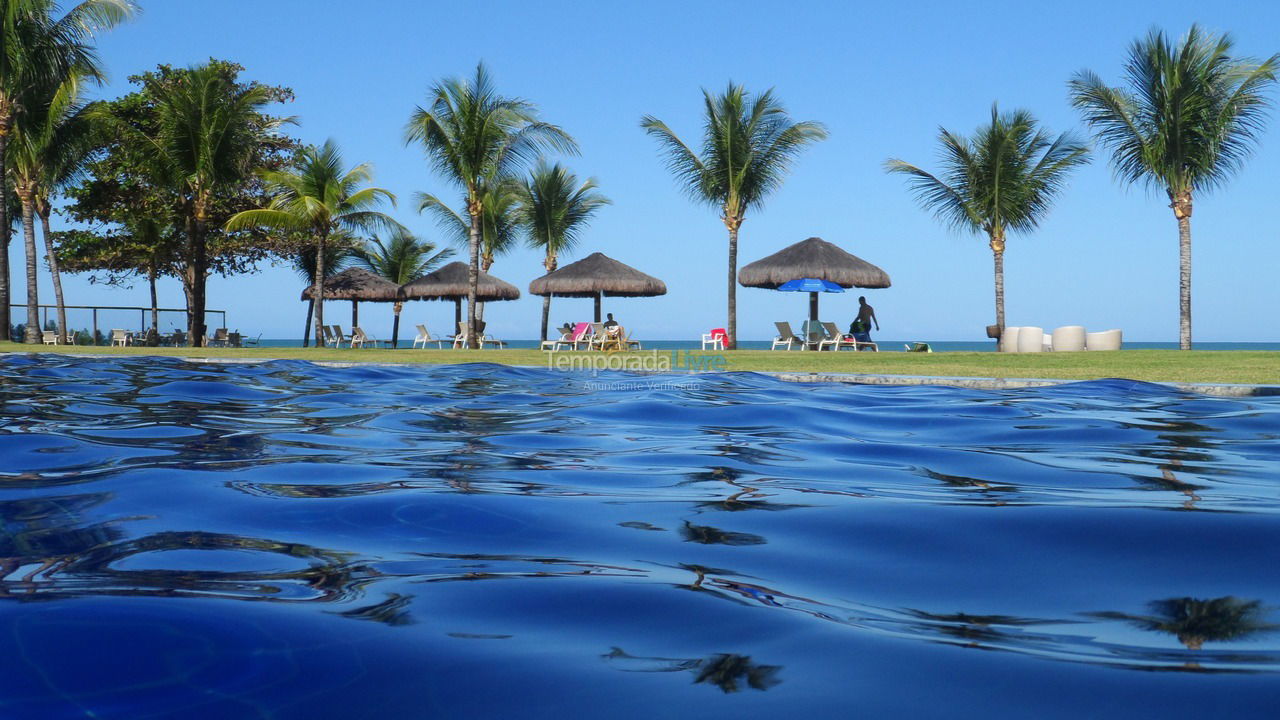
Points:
(361, 338)
(618, 341)
(716, 339)
(626, 342)
(813, 334)
(836, 339)
(235, 340)
(178, 338)
(460, 340)
(338, 337)
(488, 338)
(119, 338)
(50, 337)
(568, 336)
(917, 347)
(253, 342)
(219, 338)
(786, 337)
(424, 337)
(328, 335)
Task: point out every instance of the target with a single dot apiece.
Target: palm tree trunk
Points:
(155, 303)
(306, 330)
(317, 290)
(52, 259)
(473, 273)
(546, 314)
(194, 279)
(1184, 282)
(32, 334)
(997, 251)
(732, 325)
(6, 123)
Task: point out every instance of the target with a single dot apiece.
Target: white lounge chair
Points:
(424, 337)
(50, 337)
(361, 338)
(786, 337)
(119, 338)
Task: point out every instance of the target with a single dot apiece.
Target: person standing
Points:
(860, 328)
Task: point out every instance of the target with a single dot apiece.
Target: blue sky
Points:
(882, 77)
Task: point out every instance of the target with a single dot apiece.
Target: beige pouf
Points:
(1030, 339)
(1105, 340)
(1009, 339)
(1069, 338)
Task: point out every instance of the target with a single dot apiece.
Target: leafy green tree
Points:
(475, 137)
(319, 196)
(39, 50)
(400, 259)
(1189, 118)
(554, 209)
(146, 168)
(1003, 179)
(748, 146)
(48, 144)
(143, 248)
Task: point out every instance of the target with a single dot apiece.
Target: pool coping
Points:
(1239, 390)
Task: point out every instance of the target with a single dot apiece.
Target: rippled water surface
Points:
(290, 541)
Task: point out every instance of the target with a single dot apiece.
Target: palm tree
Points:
(554, 210)
(48, 143)
(1195, 621)
(37, 50)
(748, 145)
(208, 130)
(320, 197)
(1191, 116)
(1004, 178)
(499, 228)
(401, 259)
(338, 254)
(476, 137)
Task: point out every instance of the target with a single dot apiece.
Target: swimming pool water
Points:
(283, 540)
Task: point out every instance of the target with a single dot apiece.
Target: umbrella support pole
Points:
(597, 307)
(457, 315)
(355, 314)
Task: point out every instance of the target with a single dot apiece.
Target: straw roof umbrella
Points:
(451, 283)
(357, 284)
(597, 275)
(813, 258)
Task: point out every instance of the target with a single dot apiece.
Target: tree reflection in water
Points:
(726, 671)
(1194, 621)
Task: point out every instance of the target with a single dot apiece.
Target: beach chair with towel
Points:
(716, 339)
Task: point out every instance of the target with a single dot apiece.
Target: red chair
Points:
(718, 339)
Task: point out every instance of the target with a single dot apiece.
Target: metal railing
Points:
(17, 318)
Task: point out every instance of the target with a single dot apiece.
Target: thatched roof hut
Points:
(451, 283)
(357, 284)
(597, 275)
(812, 258)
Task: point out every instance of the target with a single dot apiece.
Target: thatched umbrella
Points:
(595, 275)
(357, 285)
(451, 282)
(813, 258)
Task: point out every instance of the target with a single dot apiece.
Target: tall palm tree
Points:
(338, 254)
(49, 141)
(1003, 179)
(320, 197)
(1189, 118)
(401, 259)
(554, 210)
(499, 228)
(475, 137)
(39, 50)
(208, 130)
(748, 146)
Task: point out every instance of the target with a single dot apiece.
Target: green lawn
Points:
(1256, 367)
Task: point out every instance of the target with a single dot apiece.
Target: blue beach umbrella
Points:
(810, 285)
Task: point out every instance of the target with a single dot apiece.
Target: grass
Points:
(1197, 366)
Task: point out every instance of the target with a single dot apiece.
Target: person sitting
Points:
(611, 327)
(860, 328)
